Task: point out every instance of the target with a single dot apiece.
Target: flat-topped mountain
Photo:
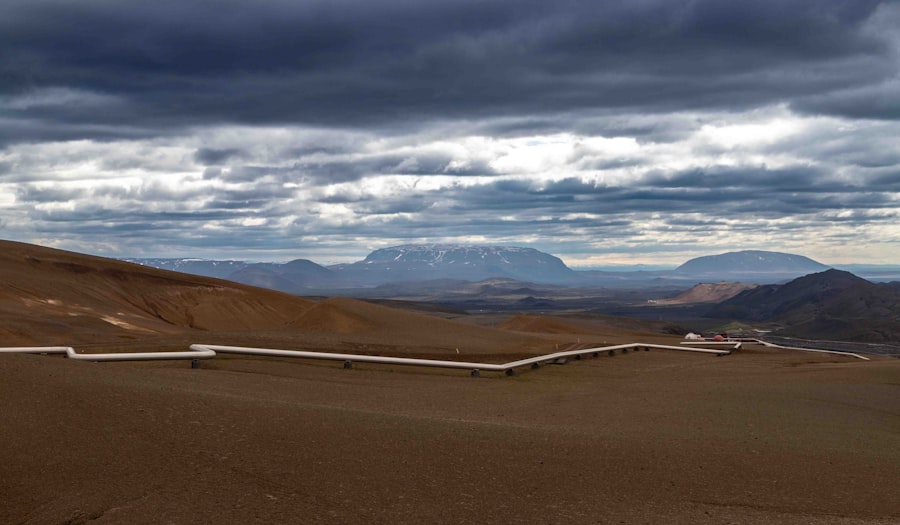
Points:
(751, 265)
(422, 262)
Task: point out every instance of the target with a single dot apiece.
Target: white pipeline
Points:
(205, 351)
(731, 342)
(118, 356)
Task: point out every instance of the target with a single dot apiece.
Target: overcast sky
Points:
(603, 131)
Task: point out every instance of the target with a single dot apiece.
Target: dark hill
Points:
(297, 276)
(432, 263)
(796, 299)
(828, 305)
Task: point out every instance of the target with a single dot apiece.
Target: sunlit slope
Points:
(53, 296)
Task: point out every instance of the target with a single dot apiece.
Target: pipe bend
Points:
(207, 351)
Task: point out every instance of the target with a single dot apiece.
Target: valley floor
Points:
(647, 437)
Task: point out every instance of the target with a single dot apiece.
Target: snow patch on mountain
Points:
(412, 262)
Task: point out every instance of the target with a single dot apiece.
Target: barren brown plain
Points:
(760, 436)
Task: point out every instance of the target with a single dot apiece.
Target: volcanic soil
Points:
(759, 436)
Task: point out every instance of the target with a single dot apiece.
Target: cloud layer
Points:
(600, 131)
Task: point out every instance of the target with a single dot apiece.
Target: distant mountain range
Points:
(474, 263)
(204, 267)
(297, 276)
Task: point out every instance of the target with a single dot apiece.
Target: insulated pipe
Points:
(773, 345)
(118, 356)
(204, 351)
(557, 355)
(736, 344)
(36, 350)
(437, 363)
(143, 356)
(268, 352)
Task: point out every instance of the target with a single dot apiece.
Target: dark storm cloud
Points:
(798, 180)
(215, 157)
(587, 121)
(440, 226)
(889, 181)
(322, 172)
(352, 169)
(395, 63)
(244, 173)
(339, 124)
(718, 195)
(571, 212)
(880, 101)
(369, 205)
(13, 130)
(102, 206)
(36, 195)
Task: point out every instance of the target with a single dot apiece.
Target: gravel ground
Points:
(648, 437)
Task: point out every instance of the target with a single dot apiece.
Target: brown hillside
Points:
(708, 293)
(50, 296)
(374, 328)
(540, 324)
(328, 316)
(595, 329)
